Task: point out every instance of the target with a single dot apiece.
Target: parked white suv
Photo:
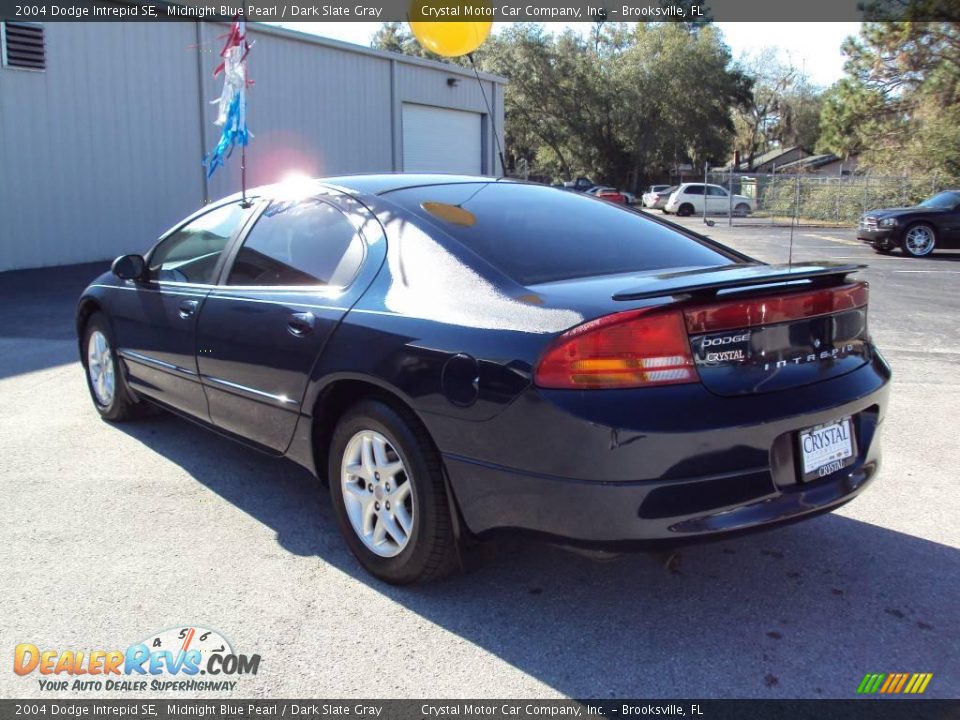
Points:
(689, 199)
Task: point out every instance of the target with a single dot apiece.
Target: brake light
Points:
(750, 312)
(637, 348)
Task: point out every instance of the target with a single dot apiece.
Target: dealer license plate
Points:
(825, 449)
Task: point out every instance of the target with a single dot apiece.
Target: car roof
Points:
(379, 183)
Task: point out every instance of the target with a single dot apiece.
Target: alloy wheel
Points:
(100, 368)
(378, 493)
(919, 241)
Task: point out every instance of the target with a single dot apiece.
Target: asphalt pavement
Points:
(113, 532)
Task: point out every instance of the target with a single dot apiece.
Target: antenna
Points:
(493, 120)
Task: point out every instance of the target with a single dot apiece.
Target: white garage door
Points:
(441, 140)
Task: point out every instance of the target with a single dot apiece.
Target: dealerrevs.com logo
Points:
(176, 659)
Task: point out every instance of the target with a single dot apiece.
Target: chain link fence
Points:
(809, 199)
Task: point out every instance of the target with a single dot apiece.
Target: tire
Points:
(882, 249)
(685, 210)
(108, 387)
(919, 240)
(421, 514)
(741, 210)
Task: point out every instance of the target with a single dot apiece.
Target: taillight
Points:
(736, 314)
(637, 348)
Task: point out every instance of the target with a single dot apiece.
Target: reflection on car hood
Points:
(891, 212)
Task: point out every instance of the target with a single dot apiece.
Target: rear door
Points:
(155, 320)
(288, 284)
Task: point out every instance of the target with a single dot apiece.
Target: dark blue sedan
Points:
(459, 357)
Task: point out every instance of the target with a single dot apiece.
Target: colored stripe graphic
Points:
(893, 683)
(903, 680)
(918, 683)
(870, 683)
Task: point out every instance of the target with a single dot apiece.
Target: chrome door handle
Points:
(301, 323)
(188, 308)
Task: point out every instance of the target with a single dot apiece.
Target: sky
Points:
(813, 46)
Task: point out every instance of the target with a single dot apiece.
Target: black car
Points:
(459, 357)
(933, 224)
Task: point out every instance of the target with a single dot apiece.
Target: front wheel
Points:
(388, 494)
(741, 210)
(108, 388)
(919, 240)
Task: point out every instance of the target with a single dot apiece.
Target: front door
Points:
(155, 320)
(262, 330)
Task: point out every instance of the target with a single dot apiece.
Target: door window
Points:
(715, 191)
(693, 190)
(191, 253)
(302, 243)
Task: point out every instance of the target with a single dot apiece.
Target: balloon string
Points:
(493, 120)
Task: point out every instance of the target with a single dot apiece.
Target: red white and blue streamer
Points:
(232, 110)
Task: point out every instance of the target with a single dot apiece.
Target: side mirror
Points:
(129, 267)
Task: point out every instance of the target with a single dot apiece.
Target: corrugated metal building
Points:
(103, 128)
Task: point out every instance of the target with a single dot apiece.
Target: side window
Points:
(693, 190)
(302, 243)
(191, 253)
(716, 191)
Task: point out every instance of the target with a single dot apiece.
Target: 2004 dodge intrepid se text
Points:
(461, 356)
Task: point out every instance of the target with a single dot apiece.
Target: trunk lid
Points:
(763, 328)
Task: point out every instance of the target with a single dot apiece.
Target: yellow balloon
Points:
(451, 39)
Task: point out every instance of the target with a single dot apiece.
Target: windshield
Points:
(942, 201)
(537, 234)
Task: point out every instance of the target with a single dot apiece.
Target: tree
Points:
(782, 111)
(900, 100)
(627, 102)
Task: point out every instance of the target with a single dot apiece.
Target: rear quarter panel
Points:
(450, 340)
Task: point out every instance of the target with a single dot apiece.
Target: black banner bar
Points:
(140, 709)
(288, 11)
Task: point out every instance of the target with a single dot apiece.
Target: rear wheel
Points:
(882, 249)
(388, 493)
(685, 210)
(919, 240)
(108, 387)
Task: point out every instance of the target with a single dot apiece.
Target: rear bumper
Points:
(716, 480)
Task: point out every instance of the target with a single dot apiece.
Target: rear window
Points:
(537, 234)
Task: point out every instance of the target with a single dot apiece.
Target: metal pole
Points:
(243, 174)
(706, 167)
(243, 117)
(202, 110)
(730, 190)
(773, 190)
(839, 190)
(796, 210)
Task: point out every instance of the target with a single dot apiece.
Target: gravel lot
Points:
(113, 532)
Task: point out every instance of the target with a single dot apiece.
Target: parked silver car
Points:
(656, 197)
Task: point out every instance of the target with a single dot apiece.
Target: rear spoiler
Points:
(708, 281)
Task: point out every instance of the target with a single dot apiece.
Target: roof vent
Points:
(23, 46)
